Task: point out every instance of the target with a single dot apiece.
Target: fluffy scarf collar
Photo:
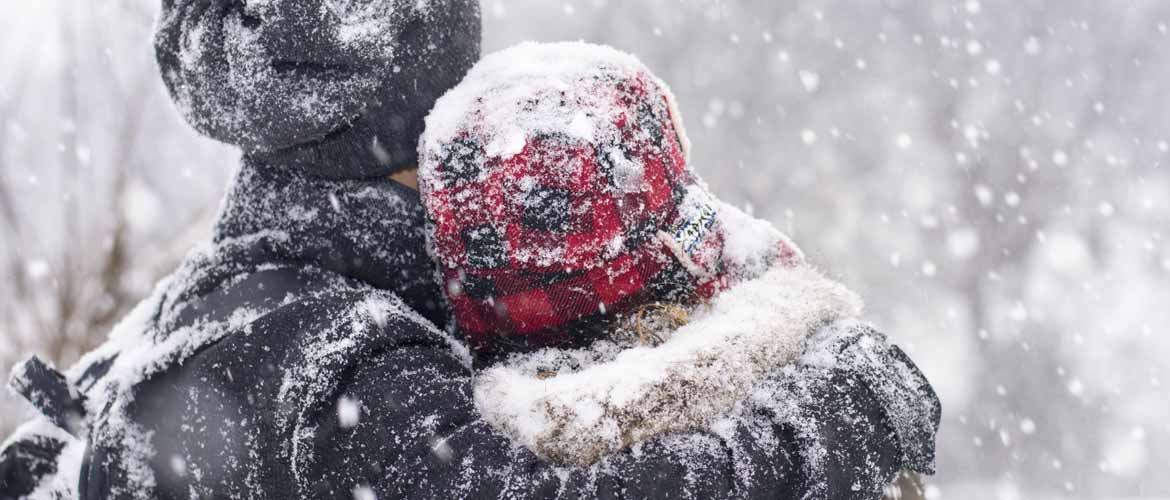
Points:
(605, 397)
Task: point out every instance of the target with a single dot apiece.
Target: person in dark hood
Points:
(301, 353)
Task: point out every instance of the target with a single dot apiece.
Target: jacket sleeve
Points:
(881, 378)
(404, 425)
(861, 410)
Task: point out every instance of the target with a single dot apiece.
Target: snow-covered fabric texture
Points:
(890, 375)
(843, 368)
(34, 452)
(556, 181)
(596, 403)
(294, 258)
(46, 389)
(335, 88)
(62, 485)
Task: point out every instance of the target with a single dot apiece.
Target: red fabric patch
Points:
(618, 281)
(530, 311)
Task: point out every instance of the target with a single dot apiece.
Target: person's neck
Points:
(407, 177)
(357, 151)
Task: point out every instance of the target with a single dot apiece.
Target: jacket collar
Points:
(368, 230)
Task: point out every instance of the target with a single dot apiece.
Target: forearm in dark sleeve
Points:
(863, 412)
(419, 436)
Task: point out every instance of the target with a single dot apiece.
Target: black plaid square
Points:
(602, 159)
(678, 193)
(547, 209)
(649, 121)
(461, 161)
(642, 231)
(673, 284)
(478, 288)
(484, 246)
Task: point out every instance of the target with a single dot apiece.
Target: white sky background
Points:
(990, 175)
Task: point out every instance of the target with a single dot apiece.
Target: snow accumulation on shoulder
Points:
(699, 373)
(524, 89)
(750, 245)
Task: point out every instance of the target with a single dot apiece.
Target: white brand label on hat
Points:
(696, 219)
(691, 231)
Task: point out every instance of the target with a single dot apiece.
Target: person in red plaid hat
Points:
(559, 191)
(561, 205)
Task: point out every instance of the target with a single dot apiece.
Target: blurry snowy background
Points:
(991, 174)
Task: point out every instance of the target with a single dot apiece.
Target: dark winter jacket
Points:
(297, 357)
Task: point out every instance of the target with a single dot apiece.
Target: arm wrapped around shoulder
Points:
(386, 407)
(383, 405)
(908, 403)
(861, 411)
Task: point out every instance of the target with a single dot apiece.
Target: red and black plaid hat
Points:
(556, 183)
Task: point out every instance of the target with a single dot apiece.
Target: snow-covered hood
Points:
(605, 398)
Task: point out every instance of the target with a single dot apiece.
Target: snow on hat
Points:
(337, 89)
(556, 181)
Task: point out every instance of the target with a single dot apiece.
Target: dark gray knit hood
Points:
(336, 88)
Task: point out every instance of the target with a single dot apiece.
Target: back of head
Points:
(337, 89)
(556, 180)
